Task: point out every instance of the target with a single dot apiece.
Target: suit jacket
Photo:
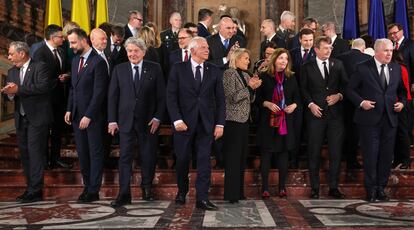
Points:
(128, 32)
(44, 54)
(283, 38)
(315, 89)
(407, 50)
(185, 103)
(169, 39)
(294, 42)
(238, 97)
(177, 56)
(126, 103)
(263, 44)
(202, 30)
(351, 58)
(35, 46)
(365, 85)
(33, 94)
(115, 58)
(339, 46)
(217, 49)
(88, 88)
(297, 60)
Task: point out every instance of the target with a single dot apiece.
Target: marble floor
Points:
(273, 213)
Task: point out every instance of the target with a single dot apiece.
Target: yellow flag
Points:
(101, 12)
(80, 14)
(53, 13)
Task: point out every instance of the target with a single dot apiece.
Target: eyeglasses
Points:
(58, 36)
(182, 38)
(393, 33)
(139, 19)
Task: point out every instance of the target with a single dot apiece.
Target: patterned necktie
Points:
(186, 55)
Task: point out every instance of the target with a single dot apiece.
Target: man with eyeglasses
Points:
(183, 54)
(134, 24)
(52, 54)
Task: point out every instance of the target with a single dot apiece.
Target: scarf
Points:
(278, 119)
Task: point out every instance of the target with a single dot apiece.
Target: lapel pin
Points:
(28, 70)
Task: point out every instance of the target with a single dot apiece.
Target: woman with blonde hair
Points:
(239, 93)
(278, 97)
(148, 36)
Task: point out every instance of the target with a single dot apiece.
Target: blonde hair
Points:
(271, 68)
(147, 35)
(69, 25)
(236, 55)
(157, 35)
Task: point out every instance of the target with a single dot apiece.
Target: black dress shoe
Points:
(404, 166)
(32, 197)
(60, 164)
(147, 194)
(335, 193)
(121, 200)
(206, 205)
(233, 201)
(180, 198)
(82, 195)
(22, 196)
(90, 197)
(314, 194)
(382, 196)
(371, 196)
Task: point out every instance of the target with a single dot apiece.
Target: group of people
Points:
(126, 81)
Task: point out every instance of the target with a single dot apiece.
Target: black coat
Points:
(339, 46)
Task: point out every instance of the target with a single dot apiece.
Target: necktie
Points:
(186, 55)
(198, 77)
(136, 78)
(226, 43)
(106, 60)
(305, 54)
(80, 64)
(325, 72)
(383, 79)
(56, 57)
(396, 46)
(115, 50)
(21, 76)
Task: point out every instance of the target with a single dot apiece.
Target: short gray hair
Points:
(379, 43)
(20, 46)
(194, 42)
(137, 42)
(286, 15)
(236, 55)
(358, 43)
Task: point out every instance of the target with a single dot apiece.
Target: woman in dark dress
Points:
(239, 92)
(277, 97)
(148, 36)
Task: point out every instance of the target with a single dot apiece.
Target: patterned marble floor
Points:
(248, 214)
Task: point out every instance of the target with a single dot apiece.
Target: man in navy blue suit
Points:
(183, 53)
(204, 21)
(136, 103)
(195, 102)
(377, 90)
(89, 85)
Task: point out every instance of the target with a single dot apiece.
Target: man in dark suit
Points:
(339, 45)
(299, 56)
(89, 85)
(204, 22)
(268, 30)
(29, 86)
(377, 90)
(134, 24)
(136, 105)
(115, 52)
(285, 31)
(307, 23)
(350, 60)
(323, 81)
(51, 54)
(182, 54)
(169, 37)
(221, 44)
(195, 102)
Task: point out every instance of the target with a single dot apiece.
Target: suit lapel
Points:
(317, 70)
(374, 70)
(206, 76)
(190, 74)
(28, 74)
(144, 73)
(85, 65)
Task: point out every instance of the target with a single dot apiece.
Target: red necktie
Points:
(80, 64)
(396, 46)
(186, 55)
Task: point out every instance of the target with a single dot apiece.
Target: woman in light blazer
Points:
(239, 92)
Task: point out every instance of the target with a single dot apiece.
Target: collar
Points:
(132, 29)
(333, 38)
(319, 61)
(98, 51)
(202, 23)
(281, 28)
(25, 65)
(400, 41)
(271, 37)
(194, 64)
(50, 46)
(222, 38)
(86, 55)
(378, 64)
(139, 65)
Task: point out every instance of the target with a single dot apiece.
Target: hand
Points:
(254, 82)
(64, 77)
(398, 107)
(333, 99)
(10, 88)
(290, 108)
(84, 123)
(367, 105)
(271, 106)
(316, 110)
(154, 123)
(412, 88)
(218, 132)
(112, 129)
(181, 127)
(68, 119)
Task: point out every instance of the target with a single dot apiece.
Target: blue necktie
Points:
(136, 78)
(226, 43)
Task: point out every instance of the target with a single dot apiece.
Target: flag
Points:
(351, 22)
(53, 13)
(101, 12)
(80, 14)
(401, 16)
(376, 20)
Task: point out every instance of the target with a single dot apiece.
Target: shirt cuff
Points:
(113, 123)
(156, 119)
(225, 60)
(360, 105)
(310, 104)
(178, 122)
(341, 96)
(221, 126)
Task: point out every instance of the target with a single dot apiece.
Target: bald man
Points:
(99, 41)
(222, 43)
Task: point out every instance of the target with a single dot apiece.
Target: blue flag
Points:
(351, 22)
(376, 20)
(401, 16)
